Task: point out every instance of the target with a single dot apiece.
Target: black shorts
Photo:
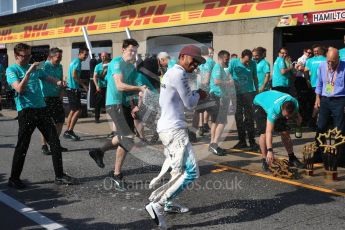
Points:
(219, 112)
(261, 120)
(55, 109)
(74, 96)
(122, 118)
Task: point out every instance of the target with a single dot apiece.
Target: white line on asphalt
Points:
(33, 215)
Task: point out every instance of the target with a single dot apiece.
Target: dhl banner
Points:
(158, 14)
(331, 16)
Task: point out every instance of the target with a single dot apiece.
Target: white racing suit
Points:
(182, 161)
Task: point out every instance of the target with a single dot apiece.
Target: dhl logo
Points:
(144, 16)
(38, 30)
(215, 8)
(73, 25)
(6, 35)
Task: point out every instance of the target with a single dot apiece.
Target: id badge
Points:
(329, 88)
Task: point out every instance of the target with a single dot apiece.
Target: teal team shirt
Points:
(218, 73)
(172, 62)
(342, 54)
(242, 75)
(54, 71)
(278, 78)
(74, 66)
(138, 79)
(32, 97)
(313, 64)
(117, 66)
(205, 69)
(272, 101)
(99, 70)
(262, 68)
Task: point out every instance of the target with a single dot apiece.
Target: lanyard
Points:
(332, 76)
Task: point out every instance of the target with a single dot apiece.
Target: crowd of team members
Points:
(260, 94)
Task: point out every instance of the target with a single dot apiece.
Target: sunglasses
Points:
(24, 56)
(195, 61)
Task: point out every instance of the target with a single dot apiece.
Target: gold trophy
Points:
(280, 168)
(330, 141)
(308, 154)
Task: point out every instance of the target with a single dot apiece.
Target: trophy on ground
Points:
(308, 154)
(280, 168)
(330, 142)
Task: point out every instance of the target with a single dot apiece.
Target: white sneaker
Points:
(172, 207)
(156, 212)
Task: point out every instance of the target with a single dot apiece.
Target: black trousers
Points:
(332, 107)
(244, 116)
(29, 120)
(99, 102)
(306, 99)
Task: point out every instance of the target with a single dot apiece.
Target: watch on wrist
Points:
(270, 150)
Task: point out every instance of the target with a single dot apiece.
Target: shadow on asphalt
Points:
(93, 137)
(11, 119)
(252, 210)
(80, 121)
(77, 150)
(301, 141)
(10, 146)
(41, 199)
(125, 172)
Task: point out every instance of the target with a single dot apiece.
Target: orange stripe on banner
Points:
(320, 3)
(292, 2)
(292, 5)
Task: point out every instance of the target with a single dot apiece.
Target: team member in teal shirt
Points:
(53, 94)
(119, 77)
(281, 72)
(272, 108)
(133, 100)
(342, 52)
(243, 72)
(263, 68)
(2, 73)
(219, 89)
(172, 62)
(203, 83)
(310, 74)
(74, 93)
(100, 83)
(32, 114)
(311, 67)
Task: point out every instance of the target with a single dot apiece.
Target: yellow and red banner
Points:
(158, 14)
(332, 16)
